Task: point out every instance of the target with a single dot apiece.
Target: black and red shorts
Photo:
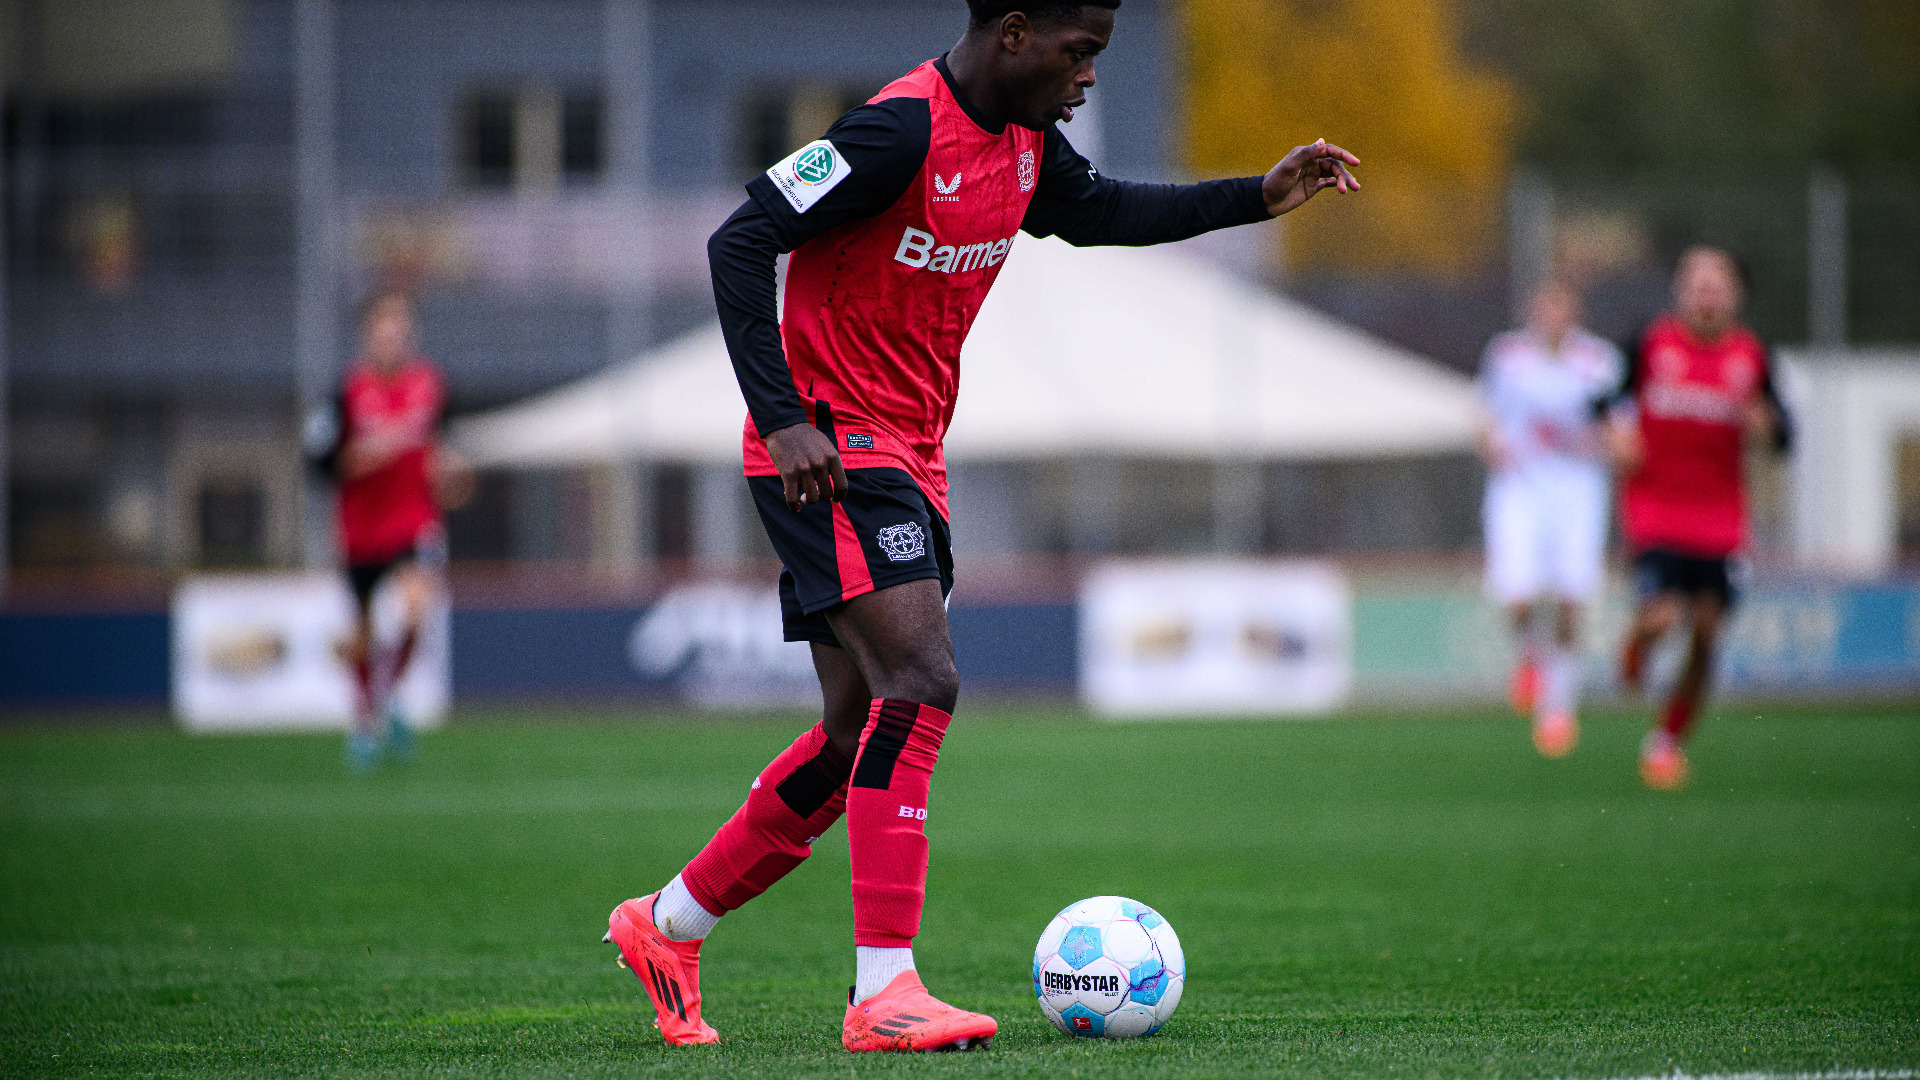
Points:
(1658, 570)
(883, 532)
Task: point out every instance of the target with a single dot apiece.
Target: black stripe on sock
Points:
(808, 787)
(874, 769)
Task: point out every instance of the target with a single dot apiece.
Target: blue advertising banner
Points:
(1412, 642)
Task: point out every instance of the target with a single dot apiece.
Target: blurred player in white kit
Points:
(1545, 516)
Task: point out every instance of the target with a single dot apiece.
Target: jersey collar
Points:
(960, 99)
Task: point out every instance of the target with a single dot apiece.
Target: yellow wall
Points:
(1383, 78)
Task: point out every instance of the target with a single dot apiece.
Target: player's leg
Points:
(1575, 534)
(1663, 757)
(363, 733)
(791, 803)
(1556, 725)
(1689, 693)
(1662, 605)
(415, 589)
(1513, 580)
(795, 799)
(899, 638)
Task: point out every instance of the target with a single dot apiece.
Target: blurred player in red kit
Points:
(1698, 387)
(389, 468)
(898, 222)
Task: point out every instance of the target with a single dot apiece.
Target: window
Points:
(533, 138)
(489, 141)
(779, 121)
(233, 523)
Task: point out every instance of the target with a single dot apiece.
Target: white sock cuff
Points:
(679, 916)
(878, 967)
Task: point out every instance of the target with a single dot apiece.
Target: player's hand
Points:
(809, 465)
(454, 481)
(1303, 172)
(1760, 420)
(1624, 446)
(1494, 451)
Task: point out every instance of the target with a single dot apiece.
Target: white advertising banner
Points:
(1215, 638)
(258, 652)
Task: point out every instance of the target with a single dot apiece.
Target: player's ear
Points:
(1014, 31)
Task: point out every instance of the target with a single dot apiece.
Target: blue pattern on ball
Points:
(1148, 981)
(1081, 946)
(1083, 1022)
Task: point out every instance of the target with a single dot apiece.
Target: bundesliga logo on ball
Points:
(1109, 968)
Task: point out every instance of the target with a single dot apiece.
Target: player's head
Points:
(1553, 309)
(1044, 51)
(1709, 286)
(386, 329)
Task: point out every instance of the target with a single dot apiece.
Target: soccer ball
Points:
(1109, 968)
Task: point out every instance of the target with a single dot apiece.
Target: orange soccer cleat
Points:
(1556, 734)
(905, 1017)
(1523, 688)
(670, 971)
(1663, 764)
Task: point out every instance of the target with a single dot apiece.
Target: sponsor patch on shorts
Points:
(859, 442)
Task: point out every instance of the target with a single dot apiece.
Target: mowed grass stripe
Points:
(1395, 897)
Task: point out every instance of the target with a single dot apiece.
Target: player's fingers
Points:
(810, 484)
(1333, 151)
(839, 479)
(1351, 184)
(790, 483)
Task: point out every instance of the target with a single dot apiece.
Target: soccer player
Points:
(898, 221)
(1698, 386)
(1545, 514)
(389, 517)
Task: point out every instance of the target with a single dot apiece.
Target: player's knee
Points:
(925, 675)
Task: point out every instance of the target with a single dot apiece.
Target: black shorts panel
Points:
(882, 533)
(1657, 571)
(366, 577)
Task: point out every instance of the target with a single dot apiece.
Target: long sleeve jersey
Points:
(899, 220)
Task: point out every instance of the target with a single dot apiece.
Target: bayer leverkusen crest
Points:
(903, 543)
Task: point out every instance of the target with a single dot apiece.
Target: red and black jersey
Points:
(1688, 495)
(899, 220)
(384, 512)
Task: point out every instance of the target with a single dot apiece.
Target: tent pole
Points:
(627, 53)
(1827, 260)
(1239, 506)
(315, 320)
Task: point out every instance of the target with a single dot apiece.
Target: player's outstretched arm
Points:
(1304, 173)
(1084, 208)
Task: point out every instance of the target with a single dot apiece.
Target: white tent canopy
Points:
(1111, 351)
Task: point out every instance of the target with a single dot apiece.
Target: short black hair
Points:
(1742, 269)
(983, 12)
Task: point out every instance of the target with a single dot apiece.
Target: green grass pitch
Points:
(1393, 897)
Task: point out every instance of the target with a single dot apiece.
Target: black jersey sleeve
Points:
(882, 147)
(884, 144)
(1628, 387)
(1082, 207)
(1770, 393)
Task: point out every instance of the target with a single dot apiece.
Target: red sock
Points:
(795, 799)
(394, 666)
(887, 820)
(363, 707)
(1678, 719)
